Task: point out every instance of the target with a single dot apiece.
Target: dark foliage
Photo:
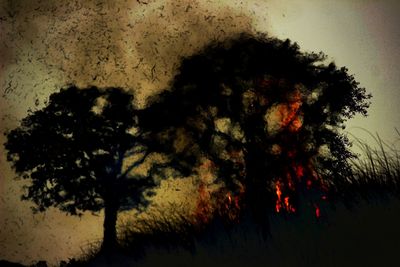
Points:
(73, 150)
(267, 115)
(5, 263)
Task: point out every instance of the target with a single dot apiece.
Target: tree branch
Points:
(133, 165)
(134, 151)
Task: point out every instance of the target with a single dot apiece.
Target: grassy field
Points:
(361, 228)
(368, 234)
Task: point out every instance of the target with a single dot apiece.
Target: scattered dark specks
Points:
(153, 70)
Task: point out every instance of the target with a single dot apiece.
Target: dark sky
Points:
(46, 45)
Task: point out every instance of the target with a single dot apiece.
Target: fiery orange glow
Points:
(299, 169)
(298, 172)
(282, 204)
(203, 205)
(293, 175)
(226, 205)
(317, 211)
(229, 198)
(296, 124)
(285, 115)
(287, 202)
(289, 113)
(217, 202)
(288, 206)
(278, 195)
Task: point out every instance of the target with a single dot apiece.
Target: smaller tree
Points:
(78, 153)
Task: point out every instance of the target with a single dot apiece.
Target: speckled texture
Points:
(49, 44)
(45, 45)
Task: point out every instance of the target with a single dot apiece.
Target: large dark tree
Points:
(267, 115)
(78, 153)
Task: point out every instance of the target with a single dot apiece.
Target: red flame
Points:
(220, 202)
(288, 206)
(285, 204)
(203, 206)
(290, 112)
(227, 205)
(317, 211)
(299, 171)
(288, 116)
(229, 198)
(278, 195)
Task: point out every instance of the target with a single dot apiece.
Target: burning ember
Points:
(220, 202)
(285, 117)
(278, 195)
(295, 176)
(317, 211)
(204, 208)
(282, 204)
(215, 199)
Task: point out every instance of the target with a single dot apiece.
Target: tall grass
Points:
(377, 169)
(167, 229)
(173, 236)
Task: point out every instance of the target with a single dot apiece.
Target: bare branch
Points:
(136, 150)
(134, 165)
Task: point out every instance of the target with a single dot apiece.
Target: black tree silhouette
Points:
(78, 153)
(267, 116)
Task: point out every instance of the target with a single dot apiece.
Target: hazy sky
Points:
(362, 35)
(45, 45)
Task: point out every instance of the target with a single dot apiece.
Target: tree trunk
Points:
(110, 220)
(257, 197)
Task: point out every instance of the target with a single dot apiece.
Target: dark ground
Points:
(368, 234)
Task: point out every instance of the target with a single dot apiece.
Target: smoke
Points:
(46, 45)
(104, 43)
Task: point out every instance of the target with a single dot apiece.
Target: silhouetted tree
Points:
(78, 153)
(267, 115)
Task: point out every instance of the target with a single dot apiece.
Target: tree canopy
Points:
(78, 151)
(263, 118)
(267, 115)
